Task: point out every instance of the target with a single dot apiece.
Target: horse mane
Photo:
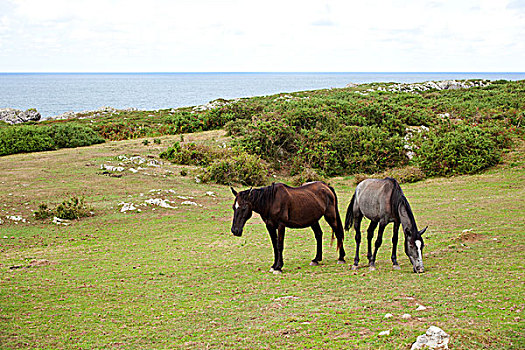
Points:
(261, 198)
(398, 199)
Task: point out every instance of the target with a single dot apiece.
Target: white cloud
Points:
(236, 35)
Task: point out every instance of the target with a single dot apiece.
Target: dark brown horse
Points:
(282, 206)
(383, 201)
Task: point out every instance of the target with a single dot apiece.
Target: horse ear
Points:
(233, 191)
(422, 231)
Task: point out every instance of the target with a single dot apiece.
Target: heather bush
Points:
(243, 168)
(460, 150)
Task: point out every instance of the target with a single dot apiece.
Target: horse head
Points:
(414, 248)
(242, 211)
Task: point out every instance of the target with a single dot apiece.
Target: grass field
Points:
(177, 278)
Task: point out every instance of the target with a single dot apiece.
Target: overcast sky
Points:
(269, 35)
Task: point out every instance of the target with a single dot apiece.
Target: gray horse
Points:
(383, 202)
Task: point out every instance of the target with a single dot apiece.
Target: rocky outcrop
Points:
(425, 86)
(16, 116)
(434, 338)
(102, 111)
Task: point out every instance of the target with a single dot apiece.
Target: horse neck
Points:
(261, 200)
(406, 217)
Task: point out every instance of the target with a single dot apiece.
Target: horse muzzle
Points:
(419, 269)
(237, 232)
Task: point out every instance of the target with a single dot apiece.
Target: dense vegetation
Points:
(338, 131)
(35, 138)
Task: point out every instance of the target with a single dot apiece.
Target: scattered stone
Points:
(406, 316)
(163, 203)
(16, 116)
(189, 203)
(41, 262)
(383, 333)
(16, 218)
(211, 194)
(111, 168)
(388, 316)
(127, 207)
(421, 308)
(434, 338)
(59, 221)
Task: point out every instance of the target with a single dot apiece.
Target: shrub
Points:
(72, 135)
(37, 138)
(242, 168)
(190, 154)
(464, 150)
(406, 174)
(74, 208)
(307, 175)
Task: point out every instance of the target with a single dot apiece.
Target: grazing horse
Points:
(282, 206)
(383, 201)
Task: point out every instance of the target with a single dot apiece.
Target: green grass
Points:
(177, 278)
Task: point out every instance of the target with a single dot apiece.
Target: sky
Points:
(262, 36)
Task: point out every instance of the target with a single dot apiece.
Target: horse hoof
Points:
(277, 272)
(341, 262)
(372, 268)
(396, 267)
(314, 263)
(355, 267)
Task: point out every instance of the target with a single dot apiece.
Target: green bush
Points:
(307, 175)
(35, 138)
(71, 209)
(242, 168)
(191, 154)
(463, 150)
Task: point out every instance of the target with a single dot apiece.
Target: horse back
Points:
(302, 206)
(373, 197)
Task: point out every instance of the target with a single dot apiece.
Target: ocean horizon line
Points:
(279, 72)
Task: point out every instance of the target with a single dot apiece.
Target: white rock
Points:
(211, 194)
(434, 338)
(388, 316)
(134, 171)
(189, 203)
(384, 333)
(406, 316)
(163, 203)
(127, 207)
(421, 308)
(111, 168)
(59, 221)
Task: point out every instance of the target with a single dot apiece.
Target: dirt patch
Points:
(469, 236)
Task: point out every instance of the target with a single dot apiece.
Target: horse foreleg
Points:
(319, 239)
(395, 236)
(369, 236)
(273, 236)
(280, 247)
(379, 241)
(357, 228)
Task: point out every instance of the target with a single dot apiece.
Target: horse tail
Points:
(339, 233)
(349, 220)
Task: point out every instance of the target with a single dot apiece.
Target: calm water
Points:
(53, 94)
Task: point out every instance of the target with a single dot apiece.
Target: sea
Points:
(56, 93)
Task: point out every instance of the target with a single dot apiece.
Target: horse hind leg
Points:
(319, 240)
(379, 241)
(370, 236)
(335, 223)
(357, 228)
(395, 236)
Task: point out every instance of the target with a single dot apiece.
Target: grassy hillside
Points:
(177, 278)
(362, 129)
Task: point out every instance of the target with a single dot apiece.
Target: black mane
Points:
(398, 199)
(261, 198)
